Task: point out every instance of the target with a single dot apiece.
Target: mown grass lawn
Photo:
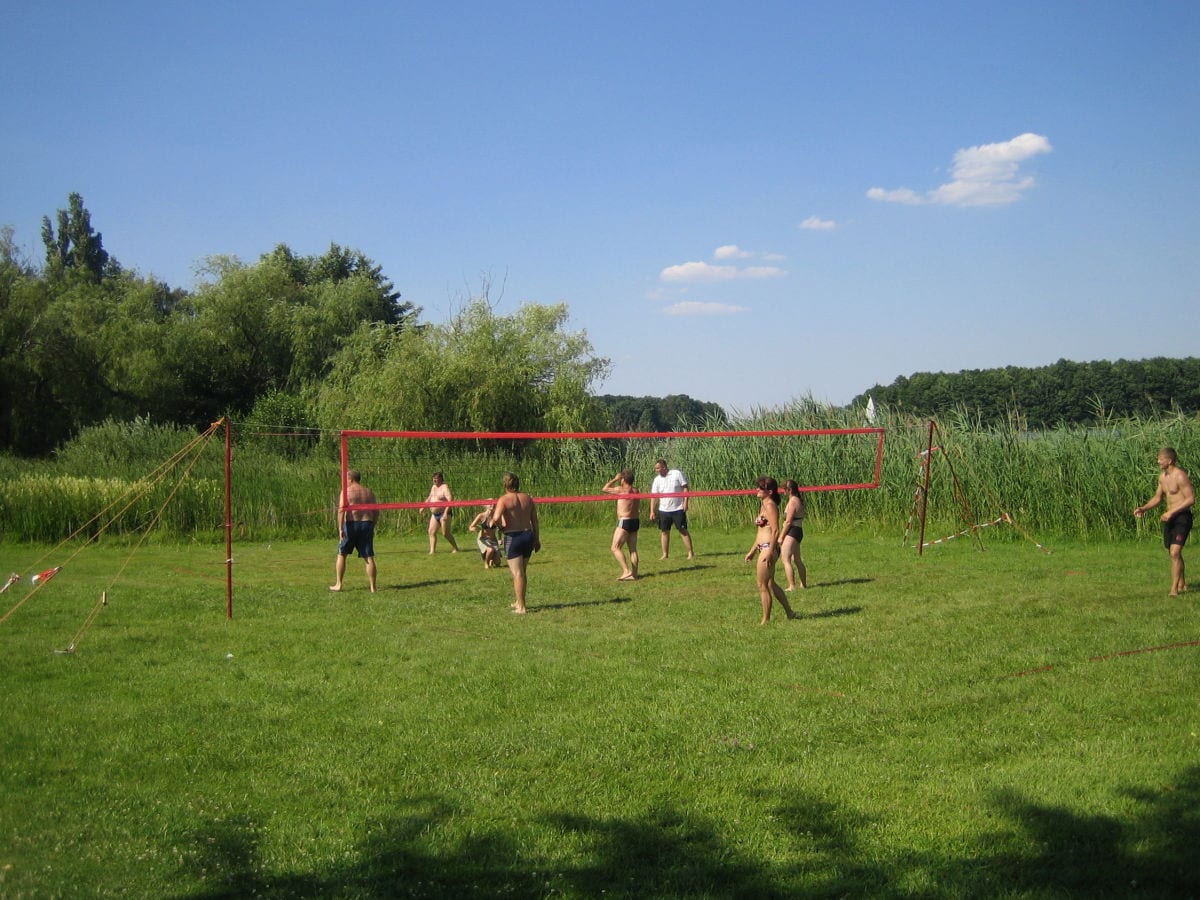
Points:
(961, 724)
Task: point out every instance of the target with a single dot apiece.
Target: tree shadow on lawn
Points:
(670, 852)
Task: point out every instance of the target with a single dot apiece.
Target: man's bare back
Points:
(359, 493)
(514, 512)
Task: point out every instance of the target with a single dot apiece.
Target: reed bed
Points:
(1073, 481)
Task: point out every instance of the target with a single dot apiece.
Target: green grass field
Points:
(966, 723)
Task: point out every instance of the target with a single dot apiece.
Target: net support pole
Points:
(925, 489)
(228, 518)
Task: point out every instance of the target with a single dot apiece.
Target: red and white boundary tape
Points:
(966, 531)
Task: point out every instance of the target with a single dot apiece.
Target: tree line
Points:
(320, 341)
(326, 341)
(1066, 392)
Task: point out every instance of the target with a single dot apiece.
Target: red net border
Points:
(604, 435)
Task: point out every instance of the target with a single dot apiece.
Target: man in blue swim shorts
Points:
(516, 515)
(356, 529)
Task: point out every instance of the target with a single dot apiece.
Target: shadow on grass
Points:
(828, 584)
(421, 584)
(829, 613)
(831, 850)
(697, 567)
(546, 607)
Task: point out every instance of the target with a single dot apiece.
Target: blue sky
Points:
(744, 202)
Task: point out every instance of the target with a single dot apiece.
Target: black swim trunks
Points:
(630, 525)
(677, 516)
(1177, 528)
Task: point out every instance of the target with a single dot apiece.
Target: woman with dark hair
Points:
(766, 545)
(793, 534)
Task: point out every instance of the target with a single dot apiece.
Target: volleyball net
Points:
(563, 469)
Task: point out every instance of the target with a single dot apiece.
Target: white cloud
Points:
(900, 195)
(698, 308)
(707, 272)
(762, 272)
(815, 223)
(983, 176)
(731, 251)
(698, 271)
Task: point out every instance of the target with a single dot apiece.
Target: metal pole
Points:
(228, 518)
(925, 489)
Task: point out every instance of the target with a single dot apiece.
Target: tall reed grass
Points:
(1075, 480)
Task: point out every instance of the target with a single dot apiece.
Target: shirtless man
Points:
(1175, 487)
(439, 518)
(516, 516)
(356, 529)
(628, 523)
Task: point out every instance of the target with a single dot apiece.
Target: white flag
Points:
(870, 409)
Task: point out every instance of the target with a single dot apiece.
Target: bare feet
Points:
(628, 576)
(336, 588)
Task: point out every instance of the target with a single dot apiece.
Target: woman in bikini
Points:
(793, 534)
(485, 540)
(766, 545)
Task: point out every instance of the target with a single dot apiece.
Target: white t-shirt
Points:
(671, 483)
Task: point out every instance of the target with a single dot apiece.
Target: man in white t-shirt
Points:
(670, 510)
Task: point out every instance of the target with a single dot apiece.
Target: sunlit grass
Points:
(956, 724)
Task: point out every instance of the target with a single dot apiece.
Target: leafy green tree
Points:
(478, 372)
(23, 297)
(75, 248)
(276, 326)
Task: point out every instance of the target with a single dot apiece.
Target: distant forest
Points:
(671, 413)
(1047, 396)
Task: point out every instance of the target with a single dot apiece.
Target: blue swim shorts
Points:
(518, 544)
(358, 536)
